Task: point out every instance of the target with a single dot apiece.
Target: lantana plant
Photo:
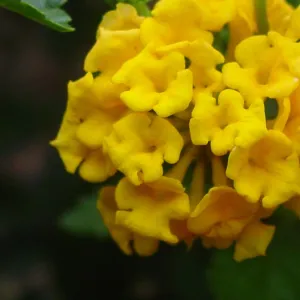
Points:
(159, 101)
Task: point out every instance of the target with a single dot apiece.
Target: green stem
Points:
(261, 16)
(142, 8)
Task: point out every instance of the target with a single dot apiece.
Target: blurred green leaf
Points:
(188, 272)
(273, 277)
(271, 108)
(294, 2)
(46, 12)
(84, 219)
(221, 39)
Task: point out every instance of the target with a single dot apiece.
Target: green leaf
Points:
(84, 218)
(46, 12)
(294, 2)
(273, 277)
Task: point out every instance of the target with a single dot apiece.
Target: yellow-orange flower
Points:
(147, 209)
(178, 21)
(212, 15)
(140, 143)
(156, 82)
(279, 15)
(221, 216)
(253, 241)
(108, 208)
(291, 127)
(203, 60)
(118, 39)
(266, 67)
(283, 114)
(225, 122)
(269, 169)
(293, 29)
(79, 140)
(124, 17)
(244, 24)
(154, 95)
(112, 49)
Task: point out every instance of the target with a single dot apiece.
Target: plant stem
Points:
(142, 8)
(261, 16)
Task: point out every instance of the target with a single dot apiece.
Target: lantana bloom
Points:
(205, 141)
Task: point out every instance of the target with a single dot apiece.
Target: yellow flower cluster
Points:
(154, 106)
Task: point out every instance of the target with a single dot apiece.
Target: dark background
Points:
(42, 260)
(39, 260)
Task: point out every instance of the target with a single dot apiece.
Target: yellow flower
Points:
(124, 17)
(266, 66)
(104, 93)
(203, 61)
(253, 241)
(154, 95)
(154, 82)
(118, 39)
(269, 169)
(112, 49)
(284, 108)
(291, 121)
(293, 30)
(288, 118)
(244, 24)
(290, 51)
(279, 15)
(177, 21)
(208, 15)
(221, 216)
(96, 166)
(295, 103)
(84, 126)
(97, 125)
(140, 143)
(147, 209)
(108, 208)
(292, 130)
(165, 33)
(225, 122)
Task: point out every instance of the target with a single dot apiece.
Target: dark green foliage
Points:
(294, 2)
(46, 12)
(271, 108)
(273, 277)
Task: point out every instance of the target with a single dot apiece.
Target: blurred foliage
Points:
(271, 108)
(46, 12)
(84, 219)
(294, 2)
(221, 39)
(273, 277)
(189, 265)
